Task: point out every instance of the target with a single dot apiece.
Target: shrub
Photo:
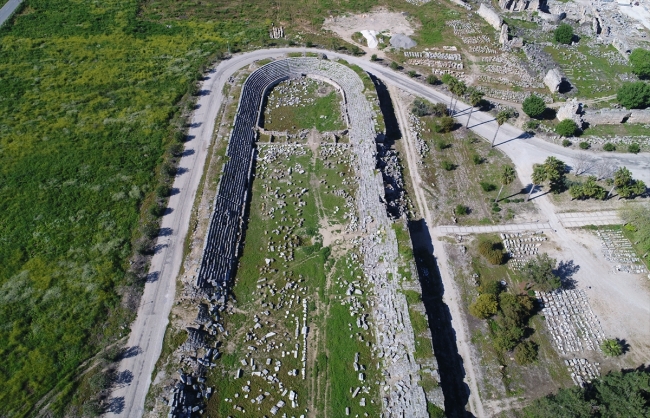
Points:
(151, 229)
(566, 143)
(420, 108)
(442, 144)
(634, 95)
(446, 124)
(496, 208)
(432, 79)
(532, 124)
(163, 191)
(525, 353)
(640, 62)
(611, 347)
(157, 210)
(461, 210)
(487, 187)
(492, 251)
(563, 34)
(584, 145)
(476, 159)
(485, 306)
(534, 106)
(439, 109)
(412, 73)
(609, 147)
(566, 128)
(634, 148)
(373, 57)
(394, 65)
(447, 165)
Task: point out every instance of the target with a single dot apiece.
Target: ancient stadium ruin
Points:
(394, 345)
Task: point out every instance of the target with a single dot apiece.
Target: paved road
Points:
(8, 9)
(149, 327)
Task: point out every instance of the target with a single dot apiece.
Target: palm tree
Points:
(452, 81)
(538, 177)
(475, 97)
(502, 117)
(507, 176)
(459, 90)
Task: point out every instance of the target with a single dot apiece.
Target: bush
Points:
(461, 210)
(609, 147)
(532, 124)
(476, 159)
(534, 106)
(492, 251)
(176, 149)
(640, 62)
(611, 348)
(373, 57)
(566, 128)
(394, 65)
(432, 79)
(447, 165)
(525, 353)
(412, 73)
(566, 143)
(491, 287)
(487, 187)
(588, 189)
(442, 144)
(563, 34)
(634, 148)
(163, 191)
(445, 124)
(584, 145)
(151, 229)
(634, 95)
(496, 208)
(439, 109)
(157, 210)
(485, 306)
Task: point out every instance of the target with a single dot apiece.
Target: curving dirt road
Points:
(148, 330)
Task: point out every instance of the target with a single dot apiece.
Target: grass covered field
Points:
(89, 103)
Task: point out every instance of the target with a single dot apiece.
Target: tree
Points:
(555, 172)
(484, 307)
(640, 61)
(581, 163)
(625, 185)
(506, 177)
(475, 98)
(394, 65)
(638, 222)
(458, 90)
(634, 95)
(634, 148)
(373, 57)
(566, 128)
(617, 394)
(611, 347)
(563, 34)
(450, 81)
(502, 117)
(538, 177)
(538, 272)
(533, 106)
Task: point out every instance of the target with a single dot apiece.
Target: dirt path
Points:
(452, 296)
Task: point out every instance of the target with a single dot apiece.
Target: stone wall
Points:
(490, 16)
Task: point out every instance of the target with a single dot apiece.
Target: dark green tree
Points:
(533, 106)
(506, 177)
(566, 128)
(539, 176)
(625, 185)
(475, 98)
(563, 34)
(640, 62)
(634, 95)
(555, 172)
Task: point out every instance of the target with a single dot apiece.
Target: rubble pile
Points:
(618, 250)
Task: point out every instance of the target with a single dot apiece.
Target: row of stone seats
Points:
(222, 239)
